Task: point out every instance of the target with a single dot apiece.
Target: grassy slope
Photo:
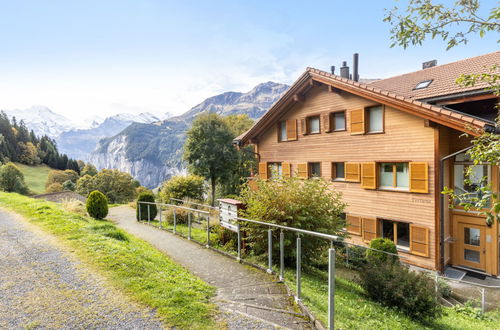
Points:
(35, 177)
(180, 298)
(353, 310)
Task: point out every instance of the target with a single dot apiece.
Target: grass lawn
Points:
(132, 265)
(35, 177)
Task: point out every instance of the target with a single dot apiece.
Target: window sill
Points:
(394, 189)
(336, 130)
(313, 133)
(339, 180)
(375, 132)
(402, 249)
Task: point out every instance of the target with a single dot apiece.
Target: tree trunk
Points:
(213, 191)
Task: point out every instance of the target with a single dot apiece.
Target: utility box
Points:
(229, 209)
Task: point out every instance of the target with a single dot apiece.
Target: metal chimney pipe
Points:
(344, 70)
(355, 60)
(332, 69)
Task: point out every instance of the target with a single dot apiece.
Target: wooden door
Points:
(471, 248)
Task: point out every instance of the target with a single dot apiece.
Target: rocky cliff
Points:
(152, 153)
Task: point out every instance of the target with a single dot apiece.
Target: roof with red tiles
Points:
(443, 78)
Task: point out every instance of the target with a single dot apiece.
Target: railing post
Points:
(149, 214)
(139, 206)
(299, 268)
(331, 288)
(175, 222)
(270, 251)
(282, 255)
(161, 226)
(189, 226)
(347, 254)
(208, 230)
(239, 241)
(483, 300)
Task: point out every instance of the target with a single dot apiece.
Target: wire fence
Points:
(200, 222)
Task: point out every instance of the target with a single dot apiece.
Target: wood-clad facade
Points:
(385, 161)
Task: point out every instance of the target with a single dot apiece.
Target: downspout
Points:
(441, 204)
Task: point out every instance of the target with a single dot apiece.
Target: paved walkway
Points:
(43, 286)
(241, 290)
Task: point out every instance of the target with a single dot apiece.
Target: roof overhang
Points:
(313, 77)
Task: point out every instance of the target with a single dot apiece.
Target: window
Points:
(423, 84)
(338, 171)
(313, 126)
(337, 121)
(375, 119)
(282, 136)
(468, 178)
(314, 169)
(394, 176)
(398, 232)
(274, 170)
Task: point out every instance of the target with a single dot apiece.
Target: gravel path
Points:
(248, 298)
(42, 286)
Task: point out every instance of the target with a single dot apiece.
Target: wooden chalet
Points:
(390, 146)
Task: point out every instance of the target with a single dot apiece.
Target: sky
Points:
(86, 59)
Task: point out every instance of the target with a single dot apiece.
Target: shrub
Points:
(381, 244)
(305, 204)
(12, 179)
(394, 285)
(61, 177)
(142, 209)
(119, 187)
(68, 185)
(97, 205)
(54, 187)
(183, 187)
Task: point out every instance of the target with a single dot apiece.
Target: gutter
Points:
(476, 92)
(441, 204)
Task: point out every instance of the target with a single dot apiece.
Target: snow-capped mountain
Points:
(152, 153)
(42, 120)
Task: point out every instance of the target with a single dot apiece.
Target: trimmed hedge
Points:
(153, 211)
(97, 205)
(381, 244)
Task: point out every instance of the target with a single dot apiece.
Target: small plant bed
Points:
(180, 299)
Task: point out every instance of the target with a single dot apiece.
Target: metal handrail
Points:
(203, 205)
(175, 206)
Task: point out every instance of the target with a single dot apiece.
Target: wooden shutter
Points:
(287, 170)
(325, 118)
(369, 229)
(419, 177)
(369, 175)
(253, 185)
(302, 171)
(352, 172)
(353, 224)
(357, 121)
(303, 126)
(263, 171)
(419, 240)
(291, 129)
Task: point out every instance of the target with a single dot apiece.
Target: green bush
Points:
(54, 187)
(12, 179)
(305, 204)
(69, 185)
(97, 205)
(142, 209)
(381, 244)
(394, 285)
(183, 187)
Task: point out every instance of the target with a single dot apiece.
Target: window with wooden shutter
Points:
(353, 224)
(369, 229)
(291, 129)
(352, 172)
(302, 171)
(369, 175)
(419, 177)
(263, 171)
(287, 170)
(325, 118)
(419, 240)
(303, 126)
(357, 121)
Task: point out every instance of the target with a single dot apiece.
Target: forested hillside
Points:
(19, 144)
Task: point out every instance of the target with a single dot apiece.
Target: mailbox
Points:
(229, 212)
